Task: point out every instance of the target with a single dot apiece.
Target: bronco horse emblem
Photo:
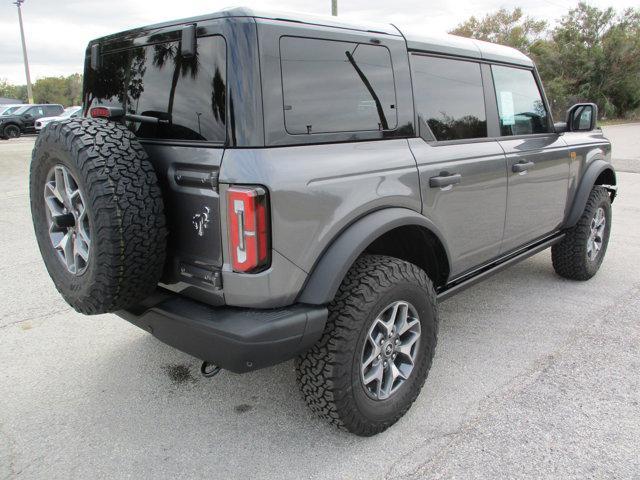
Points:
(200, 221)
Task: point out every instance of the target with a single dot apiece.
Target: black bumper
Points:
(236, 339)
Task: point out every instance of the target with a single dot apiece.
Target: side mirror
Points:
(582, 117)
(560, 127)
(27, 116)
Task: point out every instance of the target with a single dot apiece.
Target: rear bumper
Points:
(236, 339)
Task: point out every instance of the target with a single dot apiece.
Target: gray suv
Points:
(251, 188)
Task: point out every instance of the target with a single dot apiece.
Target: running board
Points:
(470, 279)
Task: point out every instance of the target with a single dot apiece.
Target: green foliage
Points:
(64, 90)
(504, 27)
(19, 92)
(590, 55)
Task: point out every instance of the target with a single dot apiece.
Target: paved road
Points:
(534, 377)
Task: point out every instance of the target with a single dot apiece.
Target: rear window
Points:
(449, 98)
(333, 86)
(187, 94)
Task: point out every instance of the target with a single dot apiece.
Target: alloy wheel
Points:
(390, 350)
(596, 235)
(67, 219)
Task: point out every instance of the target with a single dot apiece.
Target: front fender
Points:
(594, 170)
(327, 275)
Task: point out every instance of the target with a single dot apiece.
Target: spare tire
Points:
(98, 214)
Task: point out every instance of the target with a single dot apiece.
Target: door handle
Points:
(445, 180)
(522, 166)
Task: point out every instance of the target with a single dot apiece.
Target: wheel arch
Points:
(11, 123)
(391, 231)
(599, 172)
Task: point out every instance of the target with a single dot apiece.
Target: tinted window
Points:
(186, 94)
(449, 98)
(53, 110)
(331, 86)
(36, 111)
(520, 104)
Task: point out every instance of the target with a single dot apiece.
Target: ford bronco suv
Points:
(252, 188)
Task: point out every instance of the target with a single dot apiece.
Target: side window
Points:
(449, 98)
(332, 86)
(36, 111)
(53, 110)
(520, 105)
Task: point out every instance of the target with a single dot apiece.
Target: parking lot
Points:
(534, 377)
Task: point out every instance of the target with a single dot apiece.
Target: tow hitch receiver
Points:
(208, 369)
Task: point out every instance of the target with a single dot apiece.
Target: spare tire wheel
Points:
(98, 214)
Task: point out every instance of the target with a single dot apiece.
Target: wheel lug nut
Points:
(385, 364)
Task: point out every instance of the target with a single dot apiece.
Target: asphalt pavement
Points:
(534, 377)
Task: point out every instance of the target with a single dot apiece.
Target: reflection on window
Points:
(332, 86)
(449, 98)
(520, 105)
(187, 95)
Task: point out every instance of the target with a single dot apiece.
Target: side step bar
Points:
(458, 285)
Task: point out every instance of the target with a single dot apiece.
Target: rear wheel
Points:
(98, 214)
(11, 131)
(581, 252)
(374, 356)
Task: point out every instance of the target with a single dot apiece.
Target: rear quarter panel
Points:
(315, 192)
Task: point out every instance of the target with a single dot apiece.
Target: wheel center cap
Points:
(388, 349)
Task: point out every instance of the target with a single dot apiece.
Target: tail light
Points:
(248, 228)
(100, 112)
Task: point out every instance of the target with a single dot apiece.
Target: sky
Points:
(58, 31)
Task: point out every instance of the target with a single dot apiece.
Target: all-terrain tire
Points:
(329, 373)
(125, 213)
(570, 256)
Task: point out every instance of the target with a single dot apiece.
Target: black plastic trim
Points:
(327, 274)
(236, 339)
(496, 266)
(586, 184)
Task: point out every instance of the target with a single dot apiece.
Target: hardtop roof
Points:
(441, 44)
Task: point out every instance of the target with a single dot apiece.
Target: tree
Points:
(50, 90)
(66, 91)
(505, 27)
(19, 92)
(591, 55)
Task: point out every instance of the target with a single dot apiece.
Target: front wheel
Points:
(11, 131)
(580, 253)
(374, 356)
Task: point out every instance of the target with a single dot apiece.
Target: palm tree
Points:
(163, 53)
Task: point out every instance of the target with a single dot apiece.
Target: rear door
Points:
(176, 105)
(537, 158)
(462, 171)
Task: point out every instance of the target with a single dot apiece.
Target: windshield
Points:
(10, 110)
(20, 110)
(70, 111)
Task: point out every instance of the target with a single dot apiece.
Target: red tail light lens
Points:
(248, 228)
(99, 112)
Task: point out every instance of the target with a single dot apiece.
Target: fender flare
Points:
(335, 262)
(584, 189)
